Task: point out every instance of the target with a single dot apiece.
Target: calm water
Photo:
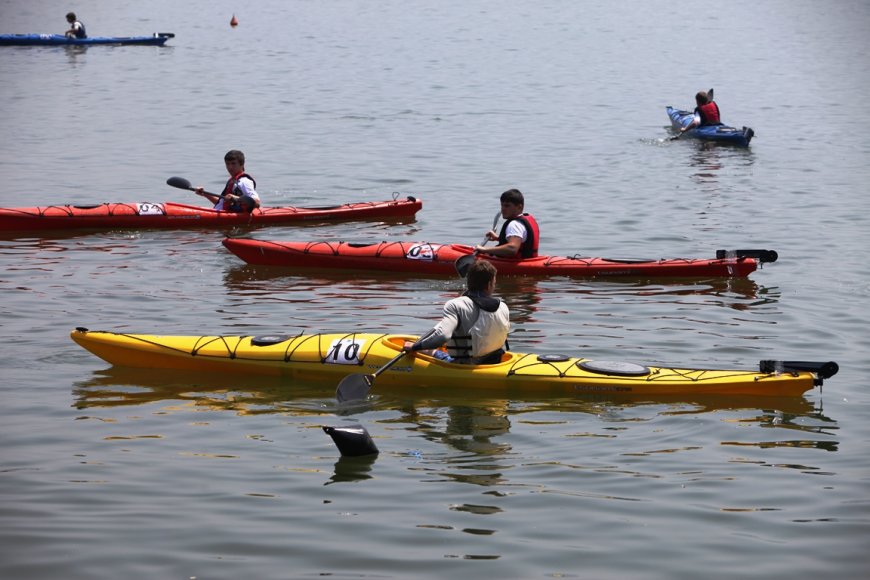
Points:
(111, 472)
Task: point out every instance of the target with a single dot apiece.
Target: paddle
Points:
(825, 370)
(246, 203)
(182, 183)
(357, 386)
(763, 256)
(463, 263)
(681, 133)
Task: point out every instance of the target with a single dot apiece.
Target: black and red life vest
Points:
(709, 114)
(529, 248)
(232, 188)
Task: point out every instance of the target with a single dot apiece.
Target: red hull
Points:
(176, 215)
(424, 258)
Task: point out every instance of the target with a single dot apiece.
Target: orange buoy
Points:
(234, 21)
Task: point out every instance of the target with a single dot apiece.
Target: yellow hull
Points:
(331, 357)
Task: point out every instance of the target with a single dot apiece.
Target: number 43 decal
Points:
(344, 351)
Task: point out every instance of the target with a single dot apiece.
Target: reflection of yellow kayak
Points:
(331, 357)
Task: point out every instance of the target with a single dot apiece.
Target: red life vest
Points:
(529, 248)
(709, 114)
(230, 188)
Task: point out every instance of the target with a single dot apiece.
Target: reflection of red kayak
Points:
(440, 260)
(177, 215)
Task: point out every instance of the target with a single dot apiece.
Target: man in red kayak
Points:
(475, 325)
(519, 234)
(706, 113)
(239, 194)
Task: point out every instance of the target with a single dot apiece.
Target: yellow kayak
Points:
(331, 357)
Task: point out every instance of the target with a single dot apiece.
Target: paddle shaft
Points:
(464, 262)
(392, 361)
(182, 183)
(494, 224)
(357, 386)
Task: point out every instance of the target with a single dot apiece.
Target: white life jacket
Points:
(488, 333)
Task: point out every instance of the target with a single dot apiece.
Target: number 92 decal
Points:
(151, 209)
(422, 252)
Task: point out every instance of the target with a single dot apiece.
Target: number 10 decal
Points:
(344, 351)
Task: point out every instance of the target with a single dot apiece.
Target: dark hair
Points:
(70, 16)
(513, 196)
(235, 155)
(479, 275)
(701, 98)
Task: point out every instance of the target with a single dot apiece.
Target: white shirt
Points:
(516, 229)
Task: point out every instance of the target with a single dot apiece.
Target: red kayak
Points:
(178, 215)
(425, 258)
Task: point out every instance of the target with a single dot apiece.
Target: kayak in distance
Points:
(171, 215)
(331, 357)
(716, 133)
(430, 259)
(156, 39)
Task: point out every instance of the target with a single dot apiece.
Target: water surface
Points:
(112, 472)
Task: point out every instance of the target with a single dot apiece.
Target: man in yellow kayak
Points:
(475, 325)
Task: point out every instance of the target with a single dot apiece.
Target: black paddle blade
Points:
(179, 182)
(354, 387)
(825, 369)
(463, 264)
(763, 256)
(352, 441)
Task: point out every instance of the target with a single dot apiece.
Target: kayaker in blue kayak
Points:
(475, 325)
(706, 113)
(519, 234)
(76, 28)
(240, 193)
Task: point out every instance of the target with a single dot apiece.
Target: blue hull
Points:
(718, 133)
(157, 39)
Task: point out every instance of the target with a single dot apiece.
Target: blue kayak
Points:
(156, 39)
(718, 133)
